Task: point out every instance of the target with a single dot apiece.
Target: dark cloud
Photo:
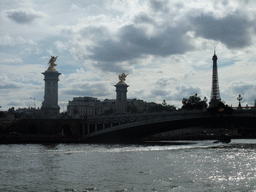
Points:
(14, 103)
(179, 5)
(160, 6)
(23, 16)
(93, 32)
(163, 82)
(113, 51)
(184, 91)
(164, 43)
(246, 90)
(9, 86)
(112, 67)
(144, 18)
(232, 30)
(241, 88)
(132, 43)
(117, 52)
(159, 92)
(180, 92)
(225, 2)
(88, 89)
(142, 94)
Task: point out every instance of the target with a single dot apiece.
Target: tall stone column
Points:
(121, 94)
(51, 77)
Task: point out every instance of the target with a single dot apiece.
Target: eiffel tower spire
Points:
(215, 94)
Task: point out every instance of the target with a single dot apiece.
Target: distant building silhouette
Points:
(90, 106)
(215, 93)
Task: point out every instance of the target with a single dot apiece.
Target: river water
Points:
(198, 166)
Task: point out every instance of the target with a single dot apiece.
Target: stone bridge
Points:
(135, 126)
(128, 127)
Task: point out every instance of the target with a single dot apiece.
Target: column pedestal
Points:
(121, 97)
(50, 104)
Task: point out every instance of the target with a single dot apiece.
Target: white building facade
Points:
(89, 106)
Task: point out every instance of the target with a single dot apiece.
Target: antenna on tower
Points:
(214, 51)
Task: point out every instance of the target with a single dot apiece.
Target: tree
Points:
(109, 111)
(194, 102)
(220, 109)
(132, 108)
(11, 110)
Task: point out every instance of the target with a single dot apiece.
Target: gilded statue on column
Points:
(122, 78)
(52, 63)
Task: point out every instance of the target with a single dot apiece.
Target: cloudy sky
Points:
(165, 46)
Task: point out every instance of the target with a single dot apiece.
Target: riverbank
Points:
(177, 140)
(20, 139)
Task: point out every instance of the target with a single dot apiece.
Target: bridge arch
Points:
(149, 126)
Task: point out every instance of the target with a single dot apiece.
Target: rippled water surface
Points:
(200, 166)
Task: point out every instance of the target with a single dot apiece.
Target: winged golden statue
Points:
(52, 63)
(122, 77)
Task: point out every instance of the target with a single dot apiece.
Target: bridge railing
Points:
(95, 124)
(141, 116)
(245, 108)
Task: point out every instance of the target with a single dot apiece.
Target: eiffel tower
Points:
(215, 94)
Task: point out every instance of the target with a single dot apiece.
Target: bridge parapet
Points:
(136, 125)
(245, 112)
(127, 118)
(98, 125)
(245, 108)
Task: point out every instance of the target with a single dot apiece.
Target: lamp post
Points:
(34, 102)
(239, 98)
